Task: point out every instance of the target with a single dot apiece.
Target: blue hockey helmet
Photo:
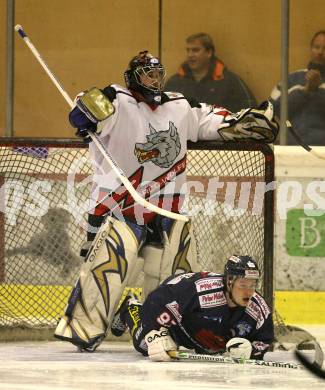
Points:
(238, 266)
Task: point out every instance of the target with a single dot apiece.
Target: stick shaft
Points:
(108, 157)
(187, 356)
(129, 186)
(317, 370)
(302, 143)
(39, 58)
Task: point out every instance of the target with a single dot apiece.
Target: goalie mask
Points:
(146, 75)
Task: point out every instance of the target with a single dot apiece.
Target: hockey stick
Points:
(316, 366)
(195, 357)
(108, 157)
(301, 142)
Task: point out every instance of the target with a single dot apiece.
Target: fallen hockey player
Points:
(208, 312)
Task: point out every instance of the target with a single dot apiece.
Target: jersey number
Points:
(165, 319)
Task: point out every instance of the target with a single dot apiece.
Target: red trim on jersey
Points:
(222, 111)
(122, 199)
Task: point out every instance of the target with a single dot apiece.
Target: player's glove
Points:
(79, 120)
(92, 107)
(159, 343)
(258, 124)
(238, 348)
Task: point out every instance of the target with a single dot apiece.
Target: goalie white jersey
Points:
(149, 145)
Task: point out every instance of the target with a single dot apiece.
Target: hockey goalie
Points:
(146, 130)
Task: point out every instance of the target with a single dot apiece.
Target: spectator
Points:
(205, 78)
(306, 96)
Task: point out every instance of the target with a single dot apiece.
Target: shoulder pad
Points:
(209, 282)
(174, 95)
(110, 92)
(206, 274)
(194, 103)
(120, 89)
(174, 280)
(177, 95)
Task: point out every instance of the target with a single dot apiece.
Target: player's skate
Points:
(119, 325)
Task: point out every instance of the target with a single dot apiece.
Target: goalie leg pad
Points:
(70, 330)
(134, 277)
(152, 260)
(102, 279)
(179, 253)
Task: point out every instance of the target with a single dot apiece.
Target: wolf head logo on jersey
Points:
(162, 147)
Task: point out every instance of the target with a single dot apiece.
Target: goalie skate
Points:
(118, 324)
(70, 330)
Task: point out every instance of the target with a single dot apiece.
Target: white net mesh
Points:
(45, 187)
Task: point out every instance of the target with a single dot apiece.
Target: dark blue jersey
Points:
(194, 308)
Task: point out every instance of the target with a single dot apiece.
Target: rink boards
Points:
(295, 307)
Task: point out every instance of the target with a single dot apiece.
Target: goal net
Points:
(45, 185)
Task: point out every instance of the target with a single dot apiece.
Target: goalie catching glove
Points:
(91, 107)
(258, 124)
(238, 348)
(159, 343)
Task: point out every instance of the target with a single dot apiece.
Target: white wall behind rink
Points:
(300, 219)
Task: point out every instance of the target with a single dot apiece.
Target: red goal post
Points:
(39, 253)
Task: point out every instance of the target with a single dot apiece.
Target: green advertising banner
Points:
(305, 235)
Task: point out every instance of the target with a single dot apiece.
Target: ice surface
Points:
(57, 365)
